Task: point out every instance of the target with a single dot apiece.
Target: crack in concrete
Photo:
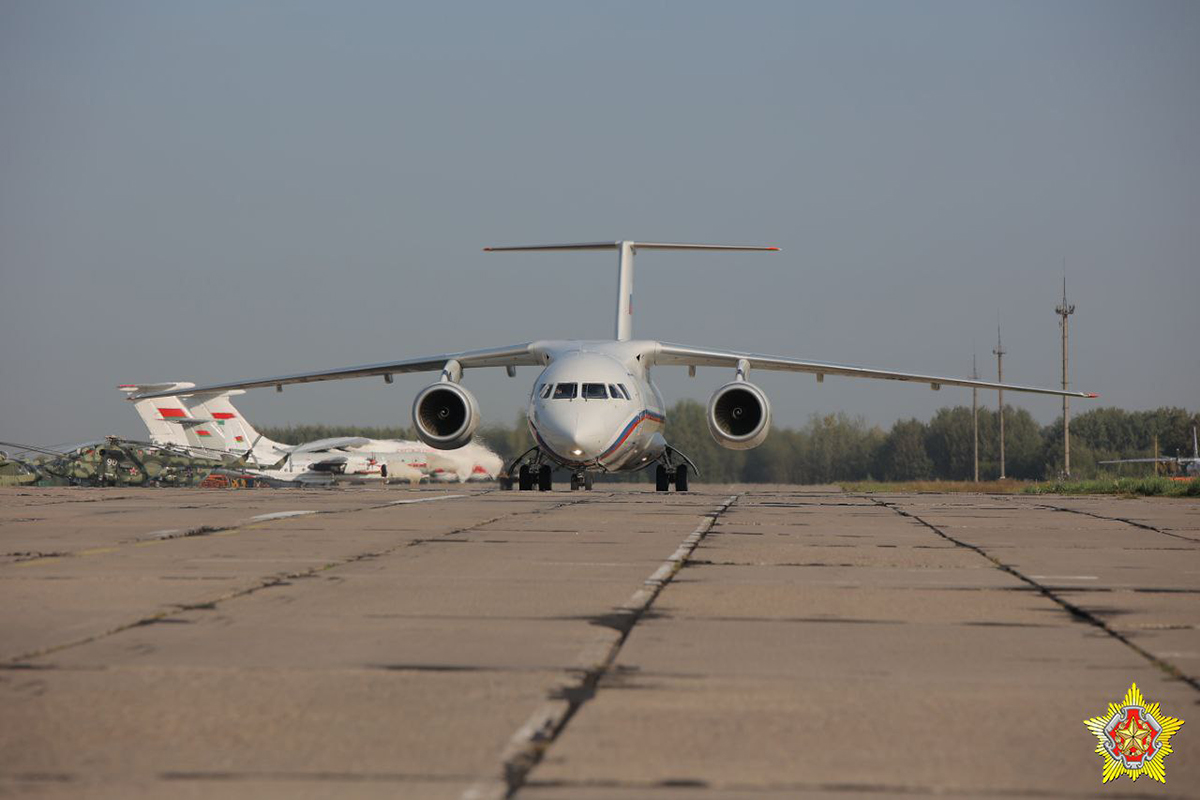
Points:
(281, 579)
(1079, 613)
(208, 530)
(1134, 523)
(647, 788)
(529, 744)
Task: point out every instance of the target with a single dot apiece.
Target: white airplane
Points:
(1190, 466)
(208, 423)
(594, 407)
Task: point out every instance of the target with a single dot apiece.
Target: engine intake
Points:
(739, 416)
(445, 415)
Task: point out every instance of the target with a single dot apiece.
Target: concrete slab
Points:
(813, 643)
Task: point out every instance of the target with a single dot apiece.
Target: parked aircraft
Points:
(210, 424)
(594, 407)
(115, 462)
(1189, 466)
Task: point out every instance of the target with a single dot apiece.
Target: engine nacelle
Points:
(739, 415)
(445, 415)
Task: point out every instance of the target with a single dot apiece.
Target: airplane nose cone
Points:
(572, 435)
(589, 437)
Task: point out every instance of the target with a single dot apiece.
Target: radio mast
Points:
(1065, 310)
(999, 351)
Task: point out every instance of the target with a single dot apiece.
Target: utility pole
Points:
(1065, 310)
(999, 352)
(975, 414)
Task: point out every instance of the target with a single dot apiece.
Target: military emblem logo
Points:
(1134, 738)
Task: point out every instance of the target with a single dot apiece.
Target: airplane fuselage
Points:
(595, 408)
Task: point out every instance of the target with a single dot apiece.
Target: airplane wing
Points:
(685, 356)
(518, 355)
(1159, 460)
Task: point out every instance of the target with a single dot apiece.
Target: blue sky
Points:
(225, 190)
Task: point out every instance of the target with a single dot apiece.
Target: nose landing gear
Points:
(581, 480)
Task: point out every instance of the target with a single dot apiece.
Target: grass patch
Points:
(1126, 487)
(1140, 487)
(936, 487)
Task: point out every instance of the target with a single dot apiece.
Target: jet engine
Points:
(445, 415)
(739, 415)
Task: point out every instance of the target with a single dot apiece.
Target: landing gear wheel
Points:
(545, 482)
(681, 478)
(662, 481)
(575, 481)
(587, 481)
(524, 478)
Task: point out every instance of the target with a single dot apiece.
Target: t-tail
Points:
(626, 251)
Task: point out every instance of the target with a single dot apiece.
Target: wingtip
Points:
(773, 249)
(487, 249)
(1092, 394)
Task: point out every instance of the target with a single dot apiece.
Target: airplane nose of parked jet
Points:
(572, 435)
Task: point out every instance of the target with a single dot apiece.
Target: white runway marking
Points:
(547, 721)
(280, 515)
(426, 499)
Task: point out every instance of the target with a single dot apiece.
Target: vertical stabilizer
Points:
(161, 415)
(238, 434)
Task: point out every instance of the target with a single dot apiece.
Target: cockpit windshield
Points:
(594, 391)
(566, 391)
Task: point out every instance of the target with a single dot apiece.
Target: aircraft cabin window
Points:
(566, 391)
(624, 391)
(594, 391)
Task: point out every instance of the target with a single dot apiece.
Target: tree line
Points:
(837, 447)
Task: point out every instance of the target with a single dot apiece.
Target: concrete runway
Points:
(741, 641)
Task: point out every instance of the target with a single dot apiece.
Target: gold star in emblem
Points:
(1133, 738)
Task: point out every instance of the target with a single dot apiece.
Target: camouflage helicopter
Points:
(113, 462)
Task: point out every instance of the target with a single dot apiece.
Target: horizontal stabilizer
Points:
(634, 245)
(626, 250)
(147, 388)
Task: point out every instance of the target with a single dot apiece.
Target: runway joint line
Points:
(531, 741)
(1078, 613)
(1134, 523)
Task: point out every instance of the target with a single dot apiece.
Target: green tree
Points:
(902, 456)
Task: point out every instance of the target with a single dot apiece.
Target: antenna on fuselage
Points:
(626, 250)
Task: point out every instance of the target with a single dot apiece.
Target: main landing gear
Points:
(674, 468)
(663, 478)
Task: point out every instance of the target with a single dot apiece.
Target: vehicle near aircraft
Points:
(1188, 466)
(210, 424)
(594, 407)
